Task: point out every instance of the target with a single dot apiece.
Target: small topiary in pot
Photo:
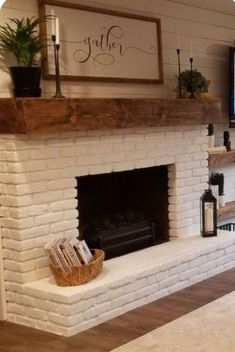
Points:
(192, 80)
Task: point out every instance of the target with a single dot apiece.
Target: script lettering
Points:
(106, 47)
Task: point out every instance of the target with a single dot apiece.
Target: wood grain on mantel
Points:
(39, 115)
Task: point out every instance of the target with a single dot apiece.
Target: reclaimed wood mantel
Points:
(39, 115)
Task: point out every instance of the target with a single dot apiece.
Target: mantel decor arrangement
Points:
(20, 38)
(190, 83)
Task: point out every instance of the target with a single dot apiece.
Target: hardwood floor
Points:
(118, 331)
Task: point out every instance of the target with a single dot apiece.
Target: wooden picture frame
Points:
(231, 87)
(102, 45)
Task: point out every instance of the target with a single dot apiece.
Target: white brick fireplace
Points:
(38, 202)
(38, 185)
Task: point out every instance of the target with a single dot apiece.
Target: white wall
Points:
(211, 32)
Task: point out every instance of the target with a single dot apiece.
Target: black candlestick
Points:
(179, 70)
(192, 96)
(53, 37)
(58, 93)
(227, 142)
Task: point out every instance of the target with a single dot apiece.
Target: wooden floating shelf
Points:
(226, 212)
(221, 158)
(39, 115)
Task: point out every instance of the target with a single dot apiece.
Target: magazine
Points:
(68, 253)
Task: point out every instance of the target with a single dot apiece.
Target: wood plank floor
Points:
(118, 331)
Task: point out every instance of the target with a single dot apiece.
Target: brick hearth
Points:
(126, 283)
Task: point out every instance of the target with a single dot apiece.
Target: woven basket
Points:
(80, 274)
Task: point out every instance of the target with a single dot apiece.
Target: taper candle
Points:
(177, 40)
(191, 48)
(2, 3)
(209, 222)
(52, 22)
(57, 31)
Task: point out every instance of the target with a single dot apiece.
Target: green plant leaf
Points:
(21, 38)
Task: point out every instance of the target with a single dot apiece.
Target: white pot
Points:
(211, 141)
(221, 201)
(215, 192)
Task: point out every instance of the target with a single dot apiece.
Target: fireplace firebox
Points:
(122, 212)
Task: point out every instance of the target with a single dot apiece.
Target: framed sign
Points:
(102, 45)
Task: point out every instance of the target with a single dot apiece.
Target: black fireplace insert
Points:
(122, 212)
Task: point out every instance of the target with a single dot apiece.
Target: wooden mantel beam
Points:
(39, 115)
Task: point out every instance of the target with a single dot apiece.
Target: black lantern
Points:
(208, 214)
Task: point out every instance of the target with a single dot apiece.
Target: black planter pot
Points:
(26, 81)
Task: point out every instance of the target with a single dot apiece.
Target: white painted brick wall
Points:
(38, 183)
(38, 203)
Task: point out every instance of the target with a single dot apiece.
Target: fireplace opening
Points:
(122, 212)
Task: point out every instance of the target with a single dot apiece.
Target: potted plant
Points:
(218, 179)
(21, 39)
(192, 80)
(211, 136)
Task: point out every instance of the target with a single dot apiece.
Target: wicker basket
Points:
(80, 274)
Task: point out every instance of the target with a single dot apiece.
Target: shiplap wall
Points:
(211, 33)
